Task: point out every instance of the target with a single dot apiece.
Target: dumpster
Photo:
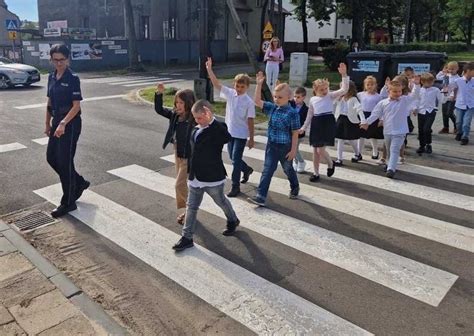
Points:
(420, 61)
(368, 63)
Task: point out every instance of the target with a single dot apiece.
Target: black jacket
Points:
(303, 112)
(173, 118)
(205, 162)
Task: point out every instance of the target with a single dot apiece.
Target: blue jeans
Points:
(275, 153)
(236, 147)
(463, 121)
(194, 201)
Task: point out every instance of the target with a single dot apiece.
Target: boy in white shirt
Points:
(448, 76)
(239, 117)
(431, 99)
(394, 111)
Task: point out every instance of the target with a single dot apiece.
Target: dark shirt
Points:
(302, 111)
(63, 92)
(181, 138)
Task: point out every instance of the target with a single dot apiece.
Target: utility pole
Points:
(202, 85)
(248, 49)
(407, 21)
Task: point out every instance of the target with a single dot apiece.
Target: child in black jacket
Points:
(298, 103)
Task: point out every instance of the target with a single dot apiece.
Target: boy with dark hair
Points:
(299, 105)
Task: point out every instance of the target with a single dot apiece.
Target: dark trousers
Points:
(425, 122)
(448, 113)
(236, 147)
(60, 156)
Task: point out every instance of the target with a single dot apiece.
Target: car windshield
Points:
(4, 60)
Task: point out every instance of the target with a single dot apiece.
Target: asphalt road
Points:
(357, 253)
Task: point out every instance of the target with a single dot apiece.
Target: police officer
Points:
(63, 127)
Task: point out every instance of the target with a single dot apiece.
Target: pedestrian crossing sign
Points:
(11, 24)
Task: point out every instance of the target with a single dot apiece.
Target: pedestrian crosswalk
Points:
(11, 147)
(134, 81)
(269, 308)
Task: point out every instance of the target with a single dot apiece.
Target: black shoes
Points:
(246, 176)
(63, 210)
(231, 226)
(429, 149)
(294, 193)
(390, 173)
(458, 137)
(314, 178)
(81, 189)
(331, 170)
(183, 244)
(464, 141)
(356, 158)
(234, 192)
(421, 150)
(375, 157)
(257, 200)
(338, 163)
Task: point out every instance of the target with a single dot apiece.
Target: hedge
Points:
(334, 55)
(427, 46)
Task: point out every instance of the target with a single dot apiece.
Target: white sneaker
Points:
(301, 167)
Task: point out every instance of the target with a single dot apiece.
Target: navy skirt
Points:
(346, 130)
(374, 131)
(323, 130)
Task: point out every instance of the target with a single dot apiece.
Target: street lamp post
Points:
(204, 50)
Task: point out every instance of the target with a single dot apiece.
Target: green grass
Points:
(168, 100)
(462, 56)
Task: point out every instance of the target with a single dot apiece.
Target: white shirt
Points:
(350, 108)
(465, 92)
(368, 101)
(323, 105)
(237, 111)
(394, 114)
(196, 183)
(430, 99)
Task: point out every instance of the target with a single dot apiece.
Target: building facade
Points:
(6, 44)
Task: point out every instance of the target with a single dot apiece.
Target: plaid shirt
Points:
(283, 121)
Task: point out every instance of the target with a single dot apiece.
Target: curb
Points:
(74, 294)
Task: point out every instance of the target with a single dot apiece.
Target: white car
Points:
(12, 74)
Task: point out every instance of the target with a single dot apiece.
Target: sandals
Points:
(180, 219)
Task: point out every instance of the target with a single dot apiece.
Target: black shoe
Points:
(356, 158)
(385, 168)
(294, 193)
(81, 189)
(458, 137)
(246, 176)
(338, 163)
(314, 178)
(429, 149)
(62, 210)
(256, 200)
(331, 170)
(390, 173)
(183, 244)
(464, 141)
(421, 150)
(359, 157)
(231, 226)
(375, 157)
(234, 192)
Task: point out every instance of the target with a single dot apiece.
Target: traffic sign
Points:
(268, 31)
(11, 24)
(12, 35)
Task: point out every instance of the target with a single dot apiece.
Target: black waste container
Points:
(368, 63)
(420, 61)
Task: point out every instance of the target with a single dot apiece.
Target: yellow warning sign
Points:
(268, 31)
(12, 35)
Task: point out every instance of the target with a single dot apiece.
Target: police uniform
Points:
(60, 153)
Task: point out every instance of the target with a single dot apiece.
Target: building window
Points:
(85, 22)
(145, 27)
(245, 27)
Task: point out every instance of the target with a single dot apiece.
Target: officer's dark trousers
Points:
(60, 156)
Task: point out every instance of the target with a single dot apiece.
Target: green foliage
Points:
(460, 15)
(427, 46)
(334, 55)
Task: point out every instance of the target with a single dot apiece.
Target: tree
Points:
(134, 64)
(460, 15)
(302, 16)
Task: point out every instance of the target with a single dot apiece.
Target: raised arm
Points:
(167, 113)
(258, 90)
(345, 83)
(212, 76)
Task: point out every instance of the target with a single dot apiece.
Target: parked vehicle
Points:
(12, 74)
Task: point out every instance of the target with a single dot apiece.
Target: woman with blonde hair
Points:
(273, 56)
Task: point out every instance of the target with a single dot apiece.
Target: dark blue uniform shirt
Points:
(63, 92)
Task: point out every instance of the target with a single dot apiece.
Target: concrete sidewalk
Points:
(37, 299)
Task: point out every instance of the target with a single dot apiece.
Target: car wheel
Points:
(4, 82)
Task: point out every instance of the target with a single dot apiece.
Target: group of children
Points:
(198, 138)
